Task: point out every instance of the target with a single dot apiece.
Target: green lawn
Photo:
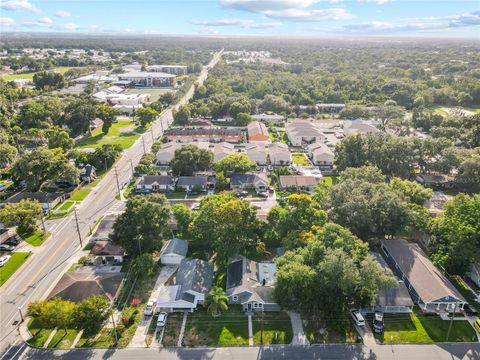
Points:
(40, 335)
(318, 331)
(65, 206)
(29, 75)
(330, 180)
(300, 159)
(62, 340)
(37, 238)
(172, 329)
(79, 195)
(6, 183)
(460, 284)
(7, 270)
(277, 328)
(123, 133)
(229, 329)
(418, 328)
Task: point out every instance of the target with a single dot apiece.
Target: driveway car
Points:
(150, 308)
(378, 324)
(162, 319)
(470, 310)
(4, 259)
(357, 317)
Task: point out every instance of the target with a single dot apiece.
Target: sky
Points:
(420, 18)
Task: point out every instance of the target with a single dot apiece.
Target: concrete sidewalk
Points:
(299, 338)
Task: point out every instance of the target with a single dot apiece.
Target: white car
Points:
(357, 317)
(162, 319)
(4, 260)
(150, 308)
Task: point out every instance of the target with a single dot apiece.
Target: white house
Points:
(302, 131)
(320, 154)
(154, 183)
(279, 154)
(257, 153)
(174, 251)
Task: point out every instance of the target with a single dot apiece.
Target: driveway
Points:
(138, 339)
(299, 338)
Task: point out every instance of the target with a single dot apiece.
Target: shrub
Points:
(135, 302)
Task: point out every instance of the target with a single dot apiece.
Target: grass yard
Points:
(277, 328)
(172, 329)
(123, 133)
(66, 206)
(79, 195)
(62, 340)
(40, 335)
(37, 238)
(6, 183)
(300, 159)
(460, 284)
(7, 270)
(330, 180)
(229, 329)
(418, 328)
(61, 70)
(319, 332)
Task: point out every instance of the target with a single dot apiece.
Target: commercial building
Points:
(169, 69)
(149, 79)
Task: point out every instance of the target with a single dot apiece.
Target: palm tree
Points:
(216, 301)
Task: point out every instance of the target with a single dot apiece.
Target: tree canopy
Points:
(189, 159)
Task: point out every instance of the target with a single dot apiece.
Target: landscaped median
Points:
(12, 265)
(419, 328)
(37, 238)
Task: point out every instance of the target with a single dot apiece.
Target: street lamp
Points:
(21, 315)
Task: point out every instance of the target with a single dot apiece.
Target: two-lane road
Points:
(34, 279)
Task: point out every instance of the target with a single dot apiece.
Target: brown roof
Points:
(257, 130)
(297, 180)
(427, 280)
(77, 286)
(105, 247)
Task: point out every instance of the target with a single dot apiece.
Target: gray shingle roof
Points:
(195, 275)
(175, 246)
(192, 180)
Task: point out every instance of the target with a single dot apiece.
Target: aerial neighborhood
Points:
(171, 195)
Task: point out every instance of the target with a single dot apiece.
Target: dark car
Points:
(13, 241)
(5, 247)
(469, 310)
(378, 324)
(241, 194)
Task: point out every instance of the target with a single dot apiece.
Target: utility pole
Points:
(43, 225)
(144, 150)
(451, 322)
(21, 315)
(105, 160)
(261, 330)
(78, 229)
(131, 166)
(161, 124)
(116, 177)
(114, 326)
(151, 132)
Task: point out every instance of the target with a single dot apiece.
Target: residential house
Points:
(251, 284)
(105, 252)
(167, 150)
(429, 288)
(279, 154)
(154, 183)
(435, 203)
(77, 286)
(436, 180)
(47, 200)
(321, 155)
(392, 300)
(298, 182)
(329, 108)
(189, 183)
(301, 132)
(257, 153)
(188, 135)
(259, 182)
(168, 69)
(174, 251)
(274, 119)
(359, 127)
(149, 79)
(88, 173)
(257, 132)
(188, 286)
(220, 150)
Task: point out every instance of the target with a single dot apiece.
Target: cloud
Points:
(69, 26)
(291, 10)
(386, 27)
(45, 21)
(19, 5)
(7, 22)
(468, 19)
(244, 23)
(379, 2)
(62, 14)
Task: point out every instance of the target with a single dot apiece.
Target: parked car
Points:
(470, 310)
(5, 247)
(150, 308)
(271, 190)
(263, 194)
(196, 206)
(270, 168)
(242, 194)
(378, 324)
(13, 240)
(162, 319)
(4, 259)
(357, 317)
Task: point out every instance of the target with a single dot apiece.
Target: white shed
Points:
(174, 251)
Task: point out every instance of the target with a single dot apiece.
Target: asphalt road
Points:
(320, 352)
(43, 269)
